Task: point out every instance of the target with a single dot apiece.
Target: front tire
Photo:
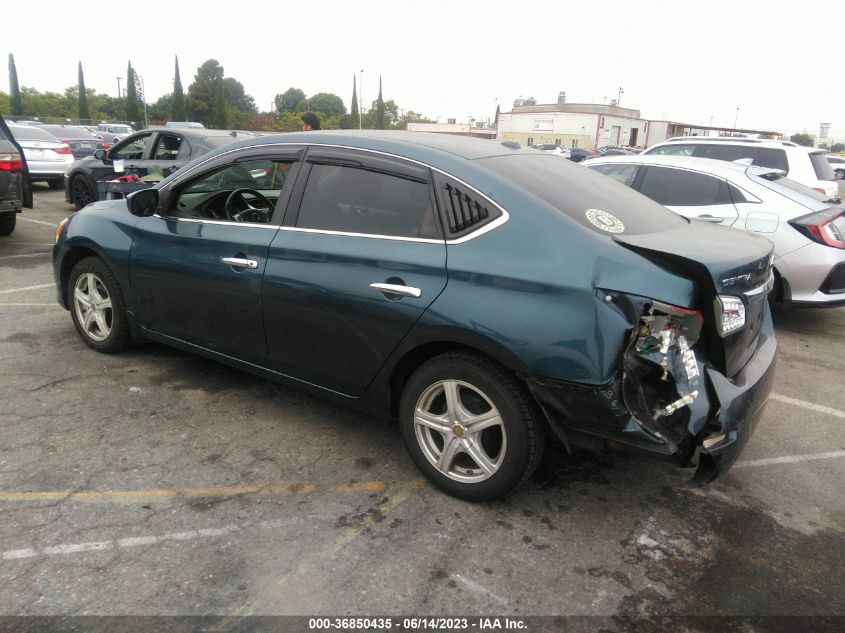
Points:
(81, 194)
(470, 426)
(7, 223)
(97, 306)
(840, 174)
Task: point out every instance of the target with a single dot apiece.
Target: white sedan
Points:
(47, 157)
(807, 229)
(837, 164)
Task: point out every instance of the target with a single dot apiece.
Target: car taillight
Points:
(10, 161)
(825, 227)
(820, 190)
(664, 320)
(104, 145)
(730, 315)
(64, 149)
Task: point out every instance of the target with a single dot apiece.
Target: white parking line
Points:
(808, 405)
(25, 288)
(789, 459)
(45, 254)
(26, 305)
(20, 217)
(76, 548)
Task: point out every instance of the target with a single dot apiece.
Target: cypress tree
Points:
(14, 88)
(83, 96)
(178, 104)
(220, 118)
(353, 111)
(379, 108)
(132, 112)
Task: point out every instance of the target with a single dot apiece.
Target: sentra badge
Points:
(605, 221)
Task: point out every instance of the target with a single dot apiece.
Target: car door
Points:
(359, 259)
(693, 194)
(196, 270)
(169, 152)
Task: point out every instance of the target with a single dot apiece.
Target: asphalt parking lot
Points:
(158, 483)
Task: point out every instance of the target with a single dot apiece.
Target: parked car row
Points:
(15, 191)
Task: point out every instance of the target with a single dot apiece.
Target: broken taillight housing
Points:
(825, 227)
(730, 314)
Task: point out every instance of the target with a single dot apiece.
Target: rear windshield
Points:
(586, 196)
(822, 167)
(32, 133)
(795, 191)
(69, 131)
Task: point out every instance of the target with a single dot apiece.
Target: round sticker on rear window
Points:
(605, 221)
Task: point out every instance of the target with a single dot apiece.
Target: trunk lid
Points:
(721, 261)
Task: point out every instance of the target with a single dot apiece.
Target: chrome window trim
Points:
(253, 225)
(461, 240)
(394, 238)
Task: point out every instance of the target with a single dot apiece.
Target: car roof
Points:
(415, 145)
(709, 165)
(729, 139)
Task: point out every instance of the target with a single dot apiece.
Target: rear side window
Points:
(353, 200)
(681, 188)
(771, 157)
(821, 166)
(620, 173)
(582, 194)
(723, 152)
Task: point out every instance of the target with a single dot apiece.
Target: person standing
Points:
(310, 121)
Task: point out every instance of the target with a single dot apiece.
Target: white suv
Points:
(806, 165)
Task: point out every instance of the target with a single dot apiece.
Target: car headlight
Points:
(730, 314)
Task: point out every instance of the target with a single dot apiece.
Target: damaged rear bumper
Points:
(716, 425)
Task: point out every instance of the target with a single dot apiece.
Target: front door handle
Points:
(239, 262)
(396, 289)
(708, 218)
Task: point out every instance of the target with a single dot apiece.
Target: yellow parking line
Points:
(160, 494)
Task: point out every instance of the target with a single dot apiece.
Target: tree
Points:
(379, 108)
(802, 139)
(837, 148)
(391, 115)
(353, 111)
(237, 98)
(327, 104)
(14, 89)
(132, 111)
(84, 112)
(160, 111)
(528, 101)
(496, 120)
(177, 103)
(202, 92)
(409, 117)
(221, 119)
(288, 100)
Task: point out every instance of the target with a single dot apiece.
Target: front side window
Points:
(168, 147)
(724, 152)
(620, 173)
(134, 150)
(679, 188)
(243, 192)
(353, 200)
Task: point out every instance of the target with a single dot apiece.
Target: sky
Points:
(692, 62)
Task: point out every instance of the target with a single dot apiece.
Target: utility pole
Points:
(118, 87)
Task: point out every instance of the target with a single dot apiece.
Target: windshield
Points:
(584, 195)
(32, 133)
(795, 191)
(123, 129)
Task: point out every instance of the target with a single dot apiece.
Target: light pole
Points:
(469, 126)
(118, 87)
(619, 96)
(143, 99)
(736, 117)
(360, 98)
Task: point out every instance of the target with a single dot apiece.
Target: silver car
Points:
(48, 158)
(807, 228)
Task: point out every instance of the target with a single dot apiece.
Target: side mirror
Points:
(100, 154)
(143, 202)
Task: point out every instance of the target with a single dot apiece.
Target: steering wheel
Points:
(250, 213)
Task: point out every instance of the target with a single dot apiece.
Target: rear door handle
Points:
(395, 289)
(708, 218)
(239, 262)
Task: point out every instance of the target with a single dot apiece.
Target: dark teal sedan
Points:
(488, 297)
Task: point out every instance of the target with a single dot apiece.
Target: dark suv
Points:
(15, 191)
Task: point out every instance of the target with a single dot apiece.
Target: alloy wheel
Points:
(460, 431)
(93, 306)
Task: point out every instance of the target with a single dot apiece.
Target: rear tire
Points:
(840, 174)
(97, 306)
(470, 426)
(7, 223)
